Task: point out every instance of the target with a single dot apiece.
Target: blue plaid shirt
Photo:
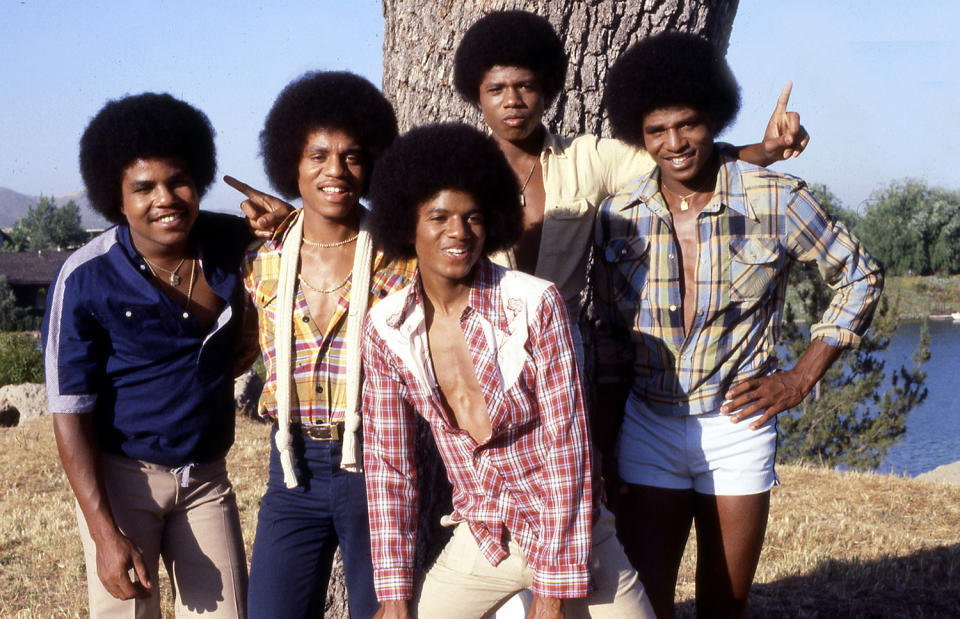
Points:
(756, 224)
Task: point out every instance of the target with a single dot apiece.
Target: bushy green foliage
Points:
(20, 359)
(913, 229)
(13, 318)
(47, 226)
(849, 419)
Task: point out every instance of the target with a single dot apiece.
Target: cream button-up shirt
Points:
(578, 173)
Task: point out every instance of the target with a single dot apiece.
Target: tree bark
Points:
(420, 38)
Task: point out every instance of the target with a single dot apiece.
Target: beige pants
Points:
(463, 584)
(195, 529)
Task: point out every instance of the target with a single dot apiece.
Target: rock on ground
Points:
(949, 473)
(22, 403)
(246, 393)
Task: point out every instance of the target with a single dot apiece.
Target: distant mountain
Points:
(13, 206)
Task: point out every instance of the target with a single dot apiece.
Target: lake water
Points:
(933, 428)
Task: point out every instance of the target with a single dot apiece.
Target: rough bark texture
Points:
(419, 42)
(421, 36)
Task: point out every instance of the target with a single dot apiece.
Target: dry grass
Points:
(42, 573)
(853, 545)
(838, 544)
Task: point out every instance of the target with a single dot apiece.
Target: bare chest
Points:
(461, 393)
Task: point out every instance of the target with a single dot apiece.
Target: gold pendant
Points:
(683, 204)
(174, 279)
(523, 201)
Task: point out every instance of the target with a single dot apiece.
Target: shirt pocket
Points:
(266, 297)
(629, 268)
(142, 333)
(754, 263)
(570, 224)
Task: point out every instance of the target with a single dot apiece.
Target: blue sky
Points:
(875, 81)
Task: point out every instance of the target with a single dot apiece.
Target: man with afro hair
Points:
(311, 285)
(140, 343)
(485, 355)
(693, 262)
(511, 65)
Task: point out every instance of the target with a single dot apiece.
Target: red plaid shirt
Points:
(530, 475)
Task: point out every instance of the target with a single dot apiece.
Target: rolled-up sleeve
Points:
(854, 275)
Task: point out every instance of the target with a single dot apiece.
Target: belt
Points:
(322, 431)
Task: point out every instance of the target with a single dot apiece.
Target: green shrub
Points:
(20, 359)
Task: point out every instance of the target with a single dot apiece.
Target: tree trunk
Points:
(421, 37)
(419, 41)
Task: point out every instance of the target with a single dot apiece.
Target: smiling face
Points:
(511, 99)
(160, 203)
(449, 239)
(331, 174)
(680, 140)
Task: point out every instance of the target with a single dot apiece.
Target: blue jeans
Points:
(298, 531)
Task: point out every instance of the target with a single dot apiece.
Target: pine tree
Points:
(849, 419)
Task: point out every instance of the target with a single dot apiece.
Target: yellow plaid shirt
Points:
(319, 353)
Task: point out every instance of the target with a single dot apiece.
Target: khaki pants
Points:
(463, 584)
(195, 529)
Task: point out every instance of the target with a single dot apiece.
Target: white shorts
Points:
(707, 453)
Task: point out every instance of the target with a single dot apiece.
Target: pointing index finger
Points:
(784, 97)
(242, 187)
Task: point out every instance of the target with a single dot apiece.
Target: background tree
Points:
(913, 228)
(420, 39)
(849, 418)
(47, 226)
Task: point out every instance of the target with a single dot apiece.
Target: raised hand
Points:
(264, 212)
(784, 137)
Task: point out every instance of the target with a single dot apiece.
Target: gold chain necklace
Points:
(307, 285)
(523, 199)
(329, 245)
(174, 278)
(684, 205)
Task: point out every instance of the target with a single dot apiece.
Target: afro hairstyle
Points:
(425, 161)
(137, 127)
(664, 70)
(323, 100)
(513, 39)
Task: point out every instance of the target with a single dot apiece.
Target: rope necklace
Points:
(174, 278)
(307, 285)
(353, 238)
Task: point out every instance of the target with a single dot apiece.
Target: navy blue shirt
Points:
(159, 386)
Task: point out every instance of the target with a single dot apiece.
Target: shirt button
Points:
(319, 389)
(143, 267)
(673, 308)
(699, 312)
(306, 319)
(128, 314)
(670, 256)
